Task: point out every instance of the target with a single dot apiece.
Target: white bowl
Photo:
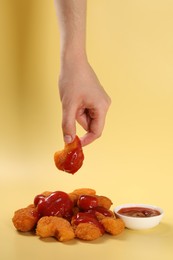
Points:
(138, 223)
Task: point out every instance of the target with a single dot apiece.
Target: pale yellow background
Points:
(130, 46)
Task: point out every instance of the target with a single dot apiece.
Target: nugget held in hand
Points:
(71, 158)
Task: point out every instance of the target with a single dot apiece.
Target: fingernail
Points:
(68, 139)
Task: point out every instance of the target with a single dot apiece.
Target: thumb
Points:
(69, 125)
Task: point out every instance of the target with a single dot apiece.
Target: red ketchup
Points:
(102, 210)
(140, 212)
(83, 217)
(71, 158)
(73, 161)
(86, 202)
(57, 203)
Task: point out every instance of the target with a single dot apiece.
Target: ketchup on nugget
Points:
(71, 158)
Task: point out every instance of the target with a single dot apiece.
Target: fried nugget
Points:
(100, 215)
(74, 196)
(87, 231)
(84, 191)
(25, 219)
(113, 226)
(46, 193)
(104, 202)
(57, 227)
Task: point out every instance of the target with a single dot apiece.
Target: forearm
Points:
(79, 87)
(72, 24)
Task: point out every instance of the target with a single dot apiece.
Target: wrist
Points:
(73, 54)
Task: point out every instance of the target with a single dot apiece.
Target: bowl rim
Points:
(144, 205)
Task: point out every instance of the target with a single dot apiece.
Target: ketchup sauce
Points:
(84, 217)
(70, 159)
(140, 212)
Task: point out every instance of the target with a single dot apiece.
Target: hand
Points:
(83, 100)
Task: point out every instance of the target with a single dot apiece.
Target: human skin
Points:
(83, 98)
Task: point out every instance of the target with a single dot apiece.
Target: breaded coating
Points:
(104, 202)
(84, 191)
(25, 219)
(87, 231)
(46, 193)
(100, 216)
(46, 227)
(113, 226)
(73, 198)
(57, 227)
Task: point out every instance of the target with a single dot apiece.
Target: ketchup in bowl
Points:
(140, 212)
(139, 216)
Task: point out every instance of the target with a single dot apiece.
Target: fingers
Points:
(68, 124)
(95, 129)
(83, 119)
(88, 138)
(92, 121)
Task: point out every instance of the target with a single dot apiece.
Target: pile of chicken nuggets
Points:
(80, 214)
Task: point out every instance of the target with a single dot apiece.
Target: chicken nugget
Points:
(46, 193)
(104, 202)
(87, 231)
(25, 219)
(113, 226)
(73, 198)
(57, 227)
(100, 215)
(84, 191)
(45, 227)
